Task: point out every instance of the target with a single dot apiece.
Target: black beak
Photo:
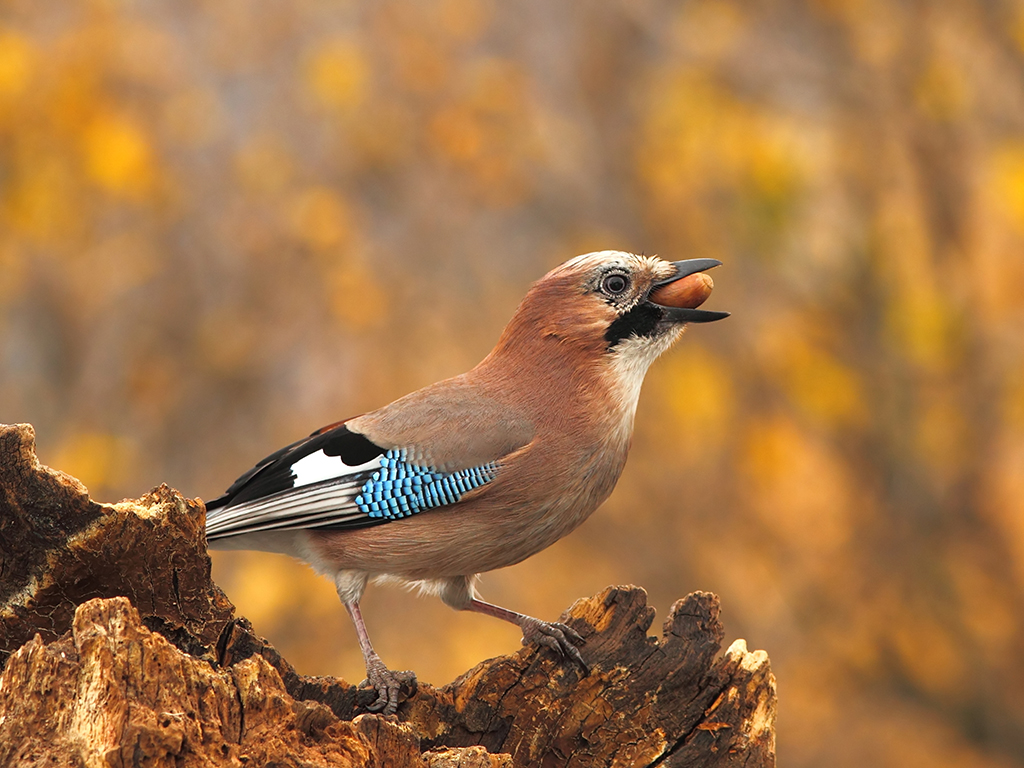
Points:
(686, 268)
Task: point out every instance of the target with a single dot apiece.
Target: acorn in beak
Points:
(680, 295)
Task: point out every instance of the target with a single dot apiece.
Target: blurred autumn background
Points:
(224, 224)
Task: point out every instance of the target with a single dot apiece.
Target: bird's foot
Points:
(387, 683)
(558, 637)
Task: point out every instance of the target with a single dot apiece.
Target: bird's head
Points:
(613, 305)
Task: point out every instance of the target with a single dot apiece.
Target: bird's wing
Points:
(340, 478)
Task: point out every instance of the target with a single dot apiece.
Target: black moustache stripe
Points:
(641, 320)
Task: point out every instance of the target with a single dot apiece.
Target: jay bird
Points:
(482, 470)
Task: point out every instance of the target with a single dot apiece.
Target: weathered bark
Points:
(123, 652)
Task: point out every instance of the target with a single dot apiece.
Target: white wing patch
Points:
(319, 466)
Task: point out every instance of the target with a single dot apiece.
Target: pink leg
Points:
(557, 637)
(387, 683)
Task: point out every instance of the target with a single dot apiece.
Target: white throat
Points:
(627, 366)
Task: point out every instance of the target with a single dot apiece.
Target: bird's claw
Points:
(558, 637)
(388, 684)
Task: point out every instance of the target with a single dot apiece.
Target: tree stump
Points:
(119, 650)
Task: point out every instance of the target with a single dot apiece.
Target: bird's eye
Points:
(614, 284)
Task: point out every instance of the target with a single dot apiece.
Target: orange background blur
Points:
(224, 224)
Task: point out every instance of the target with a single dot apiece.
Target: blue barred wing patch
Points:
(400, 489)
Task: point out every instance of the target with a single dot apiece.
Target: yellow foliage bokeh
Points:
(1007, 169)
(96, 458)
(17, 62)
(337, 74)
(118, 156)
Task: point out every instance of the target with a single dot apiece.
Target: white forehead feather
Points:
(632, 261)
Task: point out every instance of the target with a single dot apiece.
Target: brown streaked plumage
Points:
(488, 467)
